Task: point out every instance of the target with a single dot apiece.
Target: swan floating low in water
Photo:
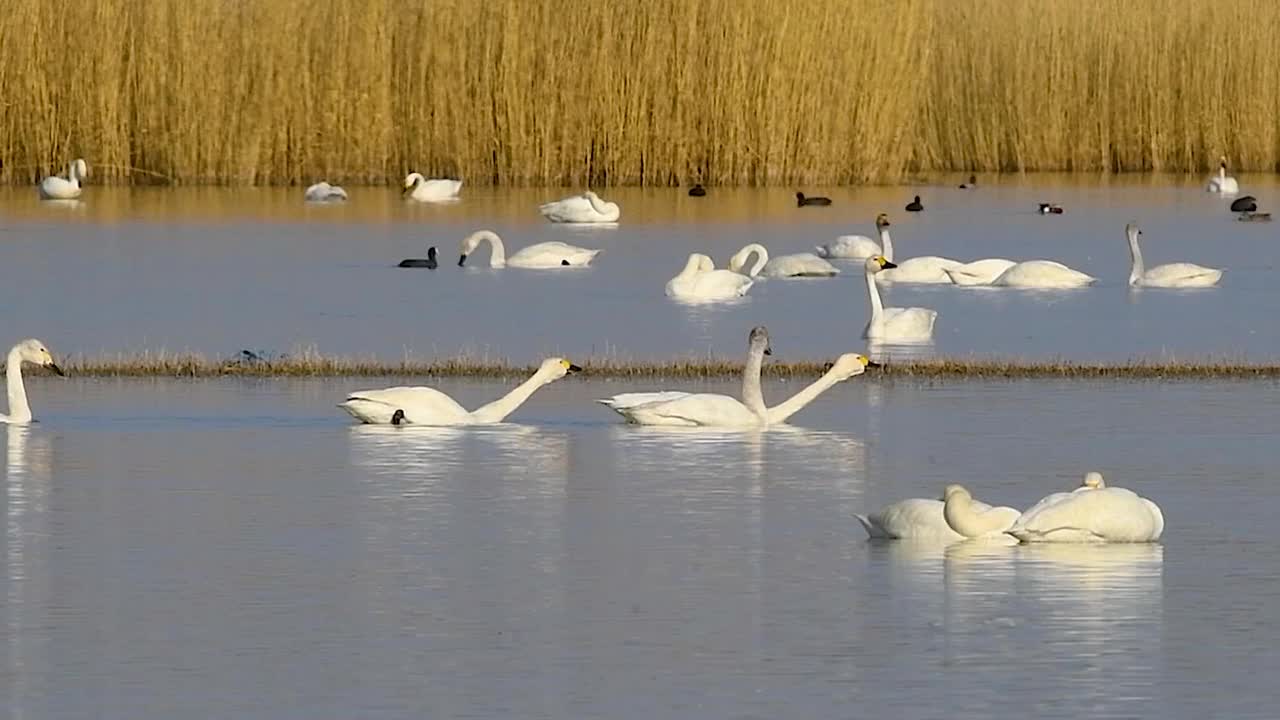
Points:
(542, 256)
(915, 205)
(429, 262)
(417, 187)
(585, 208)
(1222, 183)
(1044, 275)
(697, 191)
(797, 265)
(699, 281)
(973, 519)
(428, 406)
(1172, 275)
(1094, 513)
(68, 188)
(802, 200)
(1248, 203)
(1050, 209)
(979, 272)
(894, 324)
(912, 519)
(324, 192)
(34, 352)
(860, 247)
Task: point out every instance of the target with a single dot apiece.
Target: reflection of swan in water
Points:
(27, 596)
(429, 452)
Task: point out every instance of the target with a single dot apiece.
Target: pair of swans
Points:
(1092, 513)
(323, 192)
(890, 324)
(794, 265)
(545, 255)
(419, 188)
(427, 406)
(1222, 183)
(68, 188)
(28, 351)
(585, 208)
(1172, 275)
(681, 409)
(700, 281)
(926, 269)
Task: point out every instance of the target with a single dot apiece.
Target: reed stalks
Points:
(574, 92)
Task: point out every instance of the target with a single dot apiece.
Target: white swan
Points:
(1173, 275)
(1223, 184)
(540, 256)
(894, 324)
(428, 406)
(859, 247)
(973, 519)
(699, 280)
(34, 352)
(324, 192)
(979, 272)
(68, 188)
(912, 519)
(584, 208)
(417, 187)
(1043, 274)
(1093, 513)
(796, 265)
(926, 269)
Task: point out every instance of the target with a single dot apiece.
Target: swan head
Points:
(882, 220)
(412, 179)
(556, 368)
(1093, 480)
(850, 364)
(758, 341)
(877, 263)
(82, 167)
(1132, 231)
(956, 492)
(1222, 161)
(472, 241)
(36, 353)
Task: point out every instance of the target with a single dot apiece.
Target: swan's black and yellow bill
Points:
(462, 260)
(886, 263)
(56, 370)
(570, 367)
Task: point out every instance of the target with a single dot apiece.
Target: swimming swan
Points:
(979, 272)
(797, 265)
(324, 192)
(1042, 274)
(1223, 184)
(417, 187)
(926, 269)
(34, 352)
(428, 406)
(540, 256)
(912, 519)
(859, 247)
(68, 188)
(973, 519)
(584, 208)
(1092, 513)
(1172, 275)
(699, 280)
(894, 324)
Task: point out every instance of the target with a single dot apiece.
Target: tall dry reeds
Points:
(620, 92)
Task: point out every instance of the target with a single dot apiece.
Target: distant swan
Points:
(797, 265)
(912, 519)
(802, 200)
(979, 272)
(1042, 274)
(428, 406)
(324, 192)
(860, 247)
(915, 205)
(429, 262)
(1223, 184)
(584, 208)
(68, 188)
(1173, 275)
(894, 324)
(1092, 513)
(973, 519)
(417, 187)
(545, 255)
(34, 352)
(700, 281)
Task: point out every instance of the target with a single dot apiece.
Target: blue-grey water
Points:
(238, 548)
(217, 270)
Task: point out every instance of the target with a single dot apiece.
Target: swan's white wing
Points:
(324, 192)
(1103, 515)
(569, 210)
(436, 189)
(59, 188)
(904, 324)
(627, 400)
(799, 265)
(421, 405)
(849, 247)
(551, 255)
(1046, 274)
(698, 409)
(911, 519)
(721, 283)
(927, 269)
(1181, 275)
(979, 272)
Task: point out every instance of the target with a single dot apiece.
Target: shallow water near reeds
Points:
(218, 270)
(239, 548)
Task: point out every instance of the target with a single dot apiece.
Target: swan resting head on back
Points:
(973, 520)
(28, 351)
(1092, 513)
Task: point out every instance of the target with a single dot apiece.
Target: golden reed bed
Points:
(648, 92)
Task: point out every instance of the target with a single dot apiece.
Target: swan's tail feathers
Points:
(870, 527)
(821, 251)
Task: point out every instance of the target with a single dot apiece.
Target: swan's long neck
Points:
(877, 309)
(607, 209)
(752, 395)
(691, 268)
(962, 518)
(1222, 175)
(19, 410)
(505, 405)
(739, 260)
(793, 404)
(886, 244)
(1135, 255)
(497, 251)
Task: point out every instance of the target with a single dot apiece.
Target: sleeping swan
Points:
(416, 187)
(979, 272)
(1043, 274)
(584, 208)
(972, 519)
(1091, 514)
(324, 192)
(797, 265)
(700, 281)
(858, 247)
(912, 519)
(32, 351)
(894, 324)
(1173, 275)
(428, 406)
(68, 188)
(540, 256)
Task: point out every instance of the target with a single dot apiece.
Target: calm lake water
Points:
(240, 549)
(217, 270)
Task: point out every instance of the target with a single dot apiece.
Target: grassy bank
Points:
(655, 92)
(313, 364)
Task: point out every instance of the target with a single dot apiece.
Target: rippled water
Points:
(217, 270)
(239, 549)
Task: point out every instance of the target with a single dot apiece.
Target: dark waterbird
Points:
(1248, 203)
(1050, 209)
(914, 205)
(429, 262)
(973, 183)
(801, 200)
(697, 191)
